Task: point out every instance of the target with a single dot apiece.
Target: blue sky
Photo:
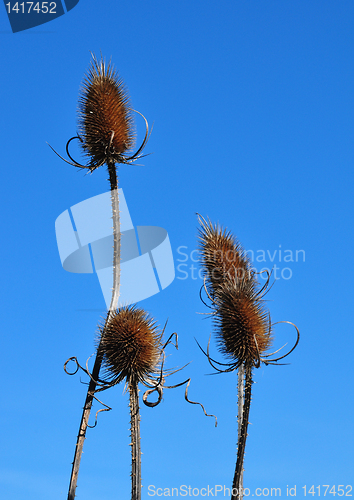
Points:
(253, 112)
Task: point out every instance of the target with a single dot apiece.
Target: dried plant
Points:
(241, 321)
(133, 351)
(106, 136)
(131, 343)
(105, 120)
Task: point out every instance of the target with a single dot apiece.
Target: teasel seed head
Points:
(222, 256)
(131, 344)
(241, 321)
(105, 120)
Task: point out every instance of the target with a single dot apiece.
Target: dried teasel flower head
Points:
(105, 120)
(131, 344)
(221, 255)
(242, 322)
(131, 347)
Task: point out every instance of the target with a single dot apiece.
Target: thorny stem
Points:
(99, 356)
(135, 439)
(237, 483)
(83, 426)
(240, 391)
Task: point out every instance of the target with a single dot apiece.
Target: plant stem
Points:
(241, 395)
(135, 439)
(99, 356)
(83, 426)
(237, 486)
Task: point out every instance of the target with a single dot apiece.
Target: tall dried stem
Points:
(99, 356)
(237, 485)
(240, 404)
(135, 439)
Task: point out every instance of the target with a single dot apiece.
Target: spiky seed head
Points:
(131, 344)
(242, 321)
(105, 120)
(221, 255)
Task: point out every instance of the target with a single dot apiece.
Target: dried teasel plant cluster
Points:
(130, 345)
(106, 136)
(242, 323)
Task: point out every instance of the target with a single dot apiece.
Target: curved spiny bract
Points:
(105, 120)
(222, 256)
(131, 346)
(241, 322)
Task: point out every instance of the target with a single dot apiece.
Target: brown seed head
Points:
(131, 345)
(241, 321)
(221, 255)
(105, 120)
(240, 317)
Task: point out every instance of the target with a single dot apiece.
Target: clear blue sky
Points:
(253, 111)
